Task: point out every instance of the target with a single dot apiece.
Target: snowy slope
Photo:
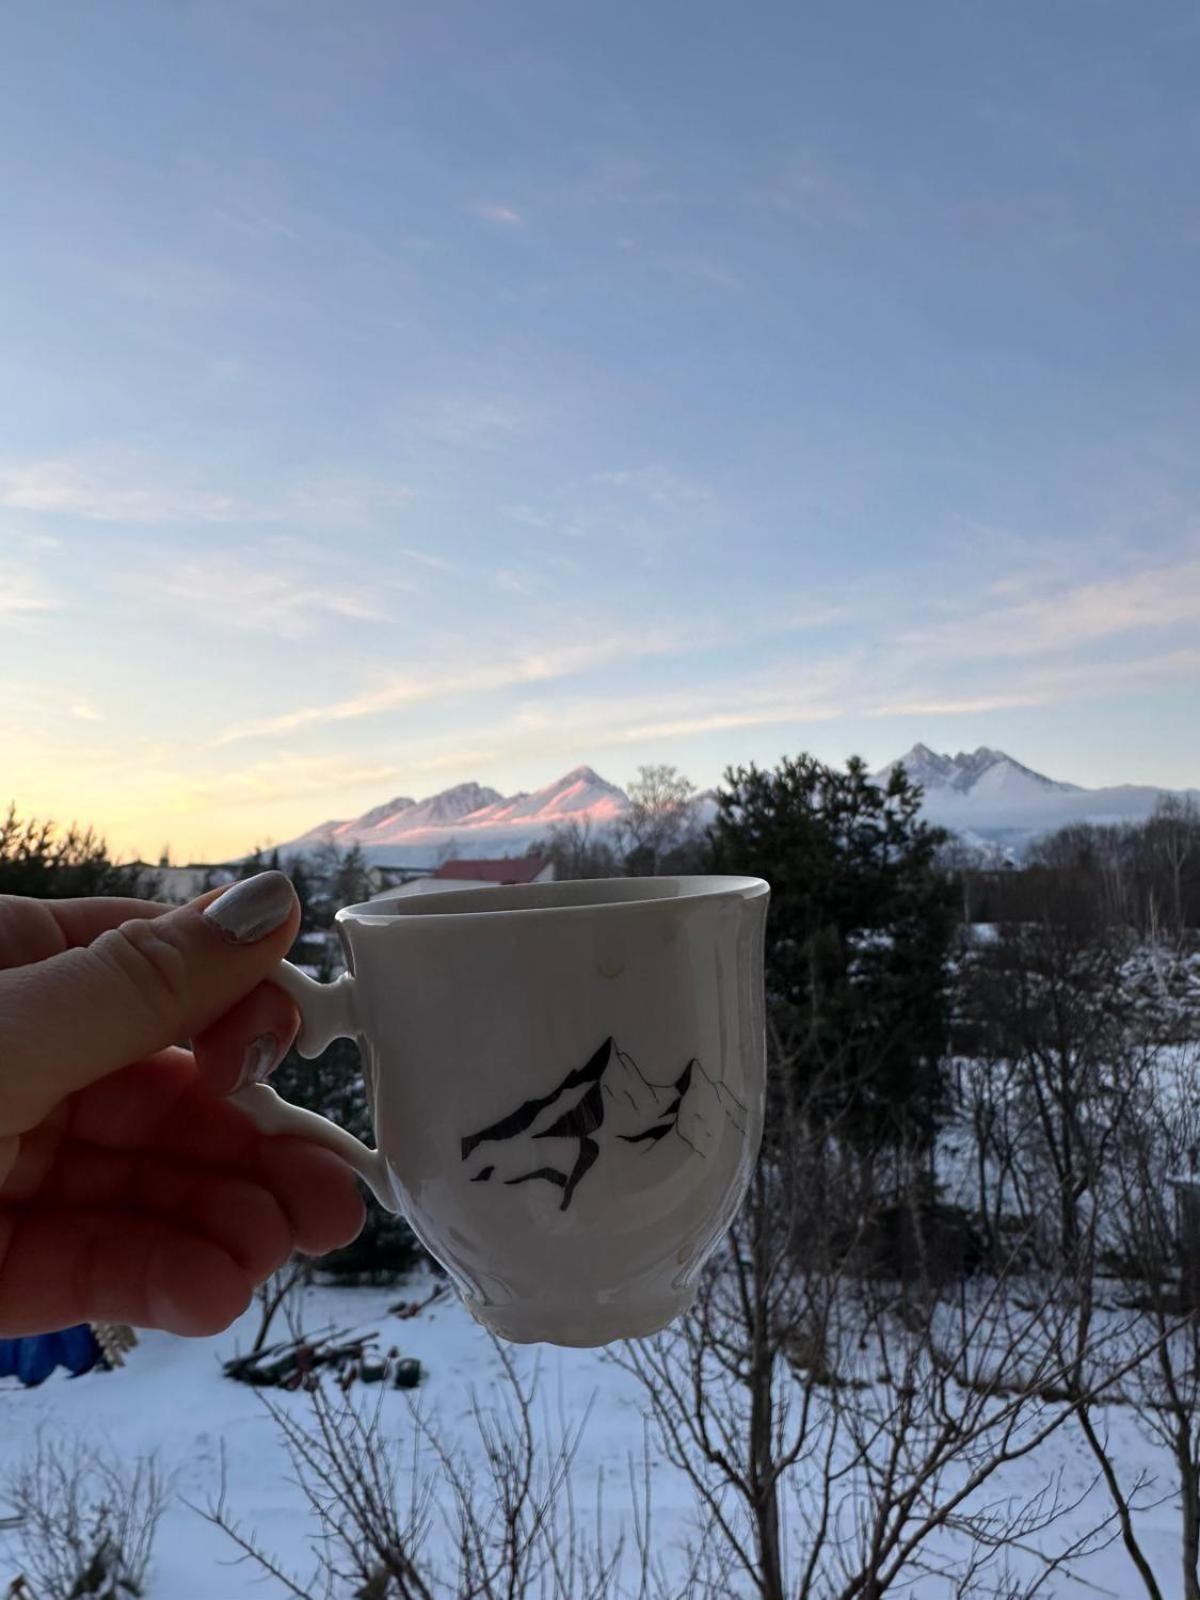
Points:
(987, 794)
(172, 1400)
(981, 772)
(480, 821)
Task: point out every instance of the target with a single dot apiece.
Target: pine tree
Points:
(301, 874)
(50, 863)
(333, 1085)
(351, 881)
(858, 939)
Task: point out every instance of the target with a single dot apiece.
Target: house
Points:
(475, 874)
(383, 878)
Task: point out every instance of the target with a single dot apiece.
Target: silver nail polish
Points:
(260, 1060)
(249, 910)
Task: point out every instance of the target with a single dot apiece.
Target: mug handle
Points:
(325, 1015)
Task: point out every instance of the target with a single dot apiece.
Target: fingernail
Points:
(260, 1060)
(249, 910)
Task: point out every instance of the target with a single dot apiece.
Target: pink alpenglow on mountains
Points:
(479, 820)
(986, 797)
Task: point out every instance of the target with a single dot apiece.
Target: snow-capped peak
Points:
(479, 820)
(981, 771)
(451, 805)
(378, 814)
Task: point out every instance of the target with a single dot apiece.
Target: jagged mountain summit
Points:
(990, 798)
(985, 795)
(980, 772)
(478, 820)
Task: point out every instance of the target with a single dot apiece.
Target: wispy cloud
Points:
(589, 644)
(509, 581)
(661, 485)
(426, 558)
(113, 484)
(476, 421)
(228, 592)
(1045, 685)
(506, 216)
(344, 500)
(23, 594)
(696, 266)
(821, 691)
(282, 777)
(1070, 617)
(180, 284)
(486, 677)
(808, 192)
(113, 487)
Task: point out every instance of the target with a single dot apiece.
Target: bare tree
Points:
(839, 1426)
(1174, 830)
(278, 1293)
(1147, 1225)
(577, 851)
(660, 818)
(1050, 1014)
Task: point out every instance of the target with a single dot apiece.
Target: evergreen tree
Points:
(351, 881)
(43, 860)
(300, 872)
(333, 1085)
(858, 941)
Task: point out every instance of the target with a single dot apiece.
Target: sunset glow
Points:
(475, 392)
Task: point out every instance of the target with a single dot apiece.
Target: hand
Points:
(129, 1190)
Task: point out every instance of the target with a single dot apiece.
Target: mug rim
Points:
(388, 910)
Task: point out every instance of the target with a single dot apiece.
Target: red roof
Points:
(513, 869)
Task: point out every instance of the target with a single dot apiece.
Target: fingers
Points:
(148, 983)
(162, 1104)
(62, 1267)
(249, 1041)
(162, 1242)
(159, 1114)
(289, 1195)
(317, 1192)
(35, 930)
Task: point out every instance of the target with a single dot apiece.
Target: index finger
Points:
(35, 930)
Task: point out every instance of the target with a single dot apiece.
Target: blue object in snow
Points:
(33, 1359)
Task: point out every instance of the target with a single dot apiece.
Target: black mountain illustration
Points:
(608, 1098)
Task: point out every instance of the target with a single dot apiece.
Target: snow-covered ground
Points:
(173, 1400)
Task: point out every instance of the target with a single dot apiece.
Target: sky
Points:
(394, 394)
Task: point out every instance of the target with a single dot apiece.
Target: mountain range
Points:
(479, 821)
(998, 804)
(988, 797)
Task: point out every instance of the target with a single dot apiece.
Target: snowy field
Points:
(173, 1400)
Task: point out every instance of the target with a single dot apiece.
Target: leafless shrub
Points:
(278, 1293)
(87, 1521)
(385, 1519)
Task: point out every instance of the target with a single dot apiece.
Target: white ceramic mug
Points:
(566, 1084)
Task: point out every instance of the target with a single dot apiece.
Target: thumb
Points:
(152, 982)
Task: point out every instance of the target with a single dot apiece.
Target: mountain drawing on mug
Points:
(608, 1099)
